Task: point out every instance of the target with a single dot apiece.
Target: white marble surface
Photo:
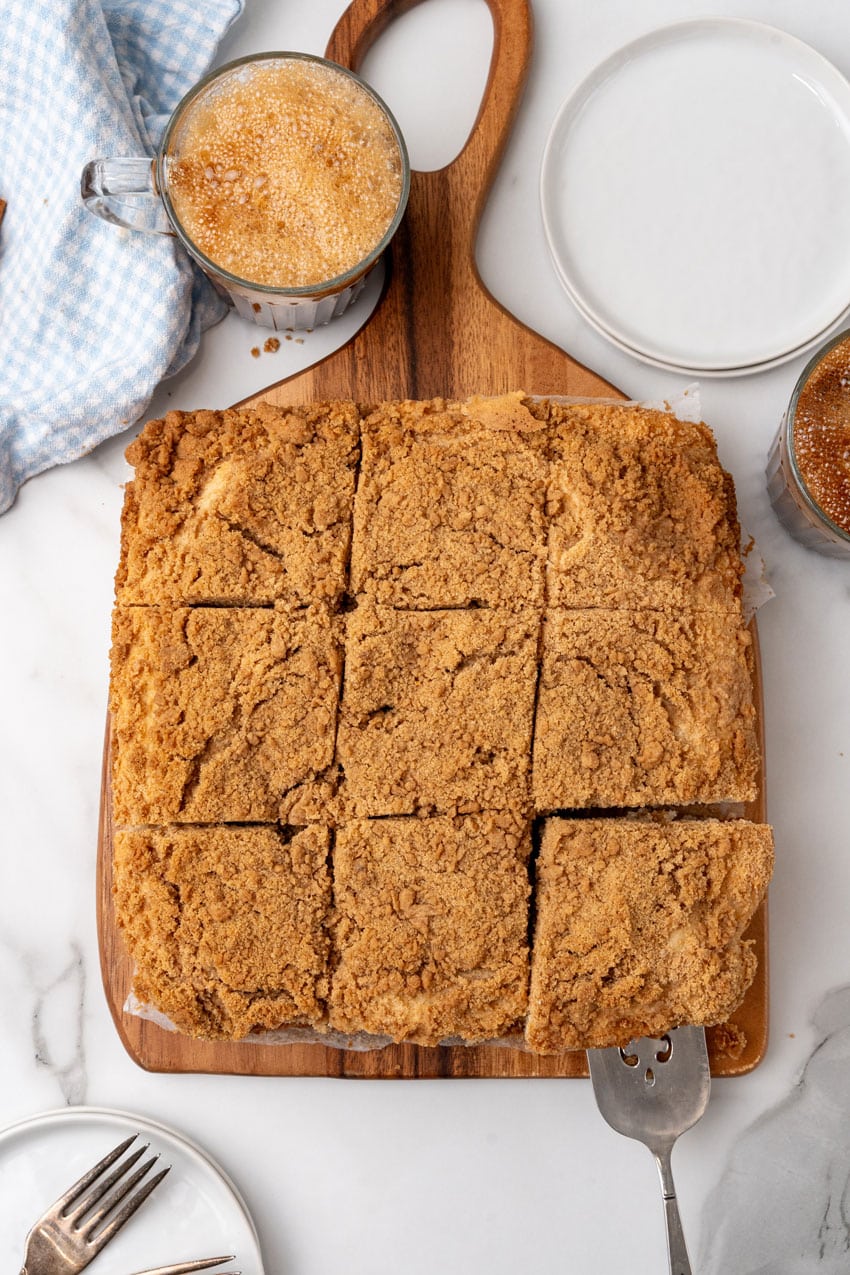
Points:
(456, 1175)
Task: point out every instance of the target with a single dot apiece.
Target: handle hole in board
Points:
(430, 66)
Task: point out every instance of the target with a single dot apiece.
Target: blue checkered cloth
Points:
(92, 317)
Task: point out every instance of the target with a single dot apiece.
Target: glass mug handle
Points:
(125, 192)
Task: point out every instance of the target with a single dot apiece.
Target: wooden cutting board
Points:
(436, 331)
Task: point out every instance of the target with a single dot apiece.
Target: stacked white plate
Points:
(696, 197)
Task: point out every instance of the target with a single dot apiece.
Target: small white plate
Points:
(695, 193)
(195, 1212)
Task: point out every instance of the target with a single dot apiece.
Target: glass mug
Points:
(283, 175)
(809, 462)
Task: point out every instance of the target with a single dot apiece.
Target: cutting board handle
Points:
(466, 181)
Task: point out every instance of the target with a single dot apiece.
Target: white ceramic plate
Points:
(195, 1212)
(695, 192)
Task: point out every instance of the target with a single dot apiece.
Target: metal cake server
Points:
(654, 1090)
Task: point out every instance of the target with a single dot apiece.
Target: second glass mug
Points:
(134, 193)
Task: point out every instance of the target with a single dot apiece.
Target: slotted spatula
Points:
(654, 1090)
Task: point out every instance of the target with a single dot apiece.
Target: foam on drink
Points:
(285, 173)
(822, 434)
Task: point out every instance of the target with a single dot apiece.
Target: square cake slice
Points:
(223, 714)
(437, 711)
(642, 708)
(450, 505)
(242, 507)
(430, 927)
(641, 512)
(228, 927)
(639, 927)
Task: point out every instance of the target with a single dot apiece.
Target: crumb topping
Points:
(641, 514)
(221, 713)
(242, 507)
(431, 927)
(450, 506)
(437, 709)
(228, 926)
(644, 708)
(640, 927)
(542, 613)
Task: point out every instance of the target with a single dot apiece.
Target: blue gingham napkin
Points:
(92, 317)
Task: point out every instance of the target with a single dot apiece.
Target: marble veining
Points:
(60, 1005)
(782, 1205)
(53, 986)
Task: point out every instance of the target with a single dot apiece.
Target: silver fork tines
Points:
(69, 1234)
(185, 1268)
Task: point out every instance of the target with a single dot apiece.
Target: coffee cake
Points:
(641, 514)
(542, 614)
(436, 711)
(430, 927)
(222, 714)
(639, 927)
(228, 927)
(449, 508)
(642, 708)
(246, 506)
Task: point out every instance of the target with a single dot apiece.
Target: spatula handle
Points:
(677, 1251)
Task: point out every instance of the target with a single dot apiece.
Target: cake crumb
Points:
(271, 345)
(727, 1039)
(255, 351)
(437, 710)
(431, 927)
(221, 712)
(640, 928)
(228, 927)
(247, 506)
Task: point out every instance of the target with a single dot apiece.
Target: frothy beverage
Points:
(285, 173)
(822, 435)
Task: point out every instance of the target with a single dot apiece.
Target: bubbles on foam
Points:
(286, 173)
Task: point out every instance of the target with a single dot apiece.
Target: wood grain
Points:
(436, 331)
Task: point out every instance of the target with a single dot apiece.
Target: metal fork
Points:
(184, 1268)
(653, 1090)
(83, 1220)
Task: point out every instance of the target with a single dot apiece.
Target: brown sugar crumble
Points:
(221, 713)
(359, 648)
(821, 435)
(450, 506)
(242, 507)
(255, 351)
(437, 710)
(639, 927)
(643, 708)
(727, 1039)
(641, 514)
(431, 927)
(287, 174)
(228, 926)
(271, 345)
